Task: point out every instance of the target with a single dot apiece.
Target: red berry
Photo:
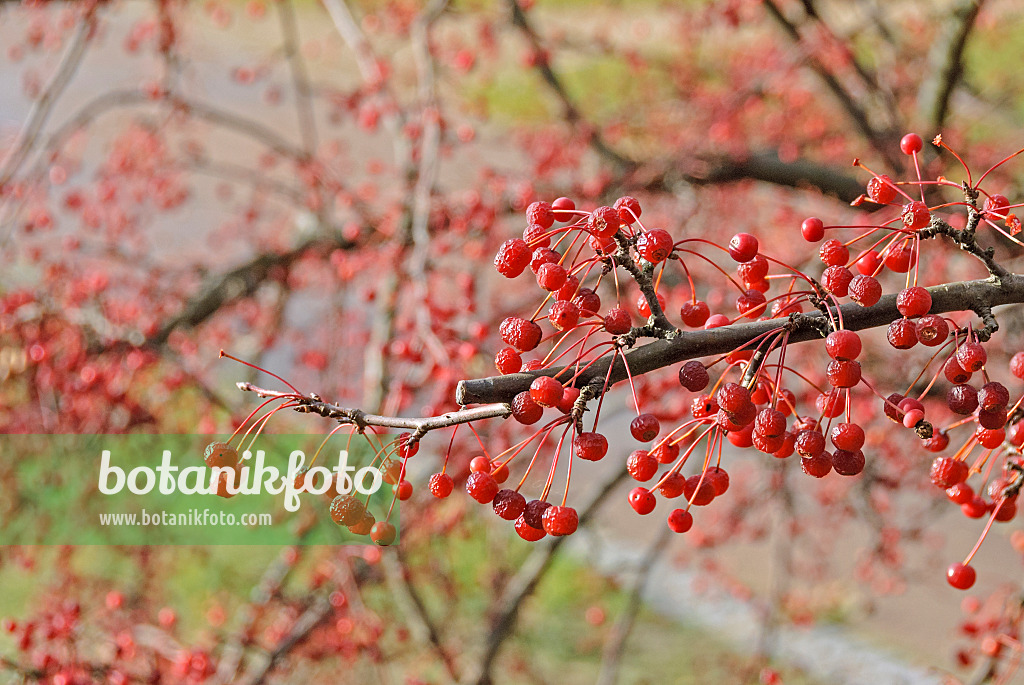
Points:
(992, 418)
(954, 372)
(536, 236)
(482, 487)
(641, 465)
(993, 396)
(591, 446)
(843, 374)
(528, 532)
(562, 209)
(568, 291)
(718, 478)
(938, 442)
(560, 520)
(911, 144)
(932, 330)
(546, 391)
(628, 209)
(834, 253)
(810, 443)
(644, 308)
(847, 436)
(960, 576)
(698, 496)
(997, 205)
(551, 276)
(480, 464)
(751, 304)
(540, 213)
(836, 280)
(347, 510)
(605, 245)
(533, 515)
(665, 453)
(743, 247)
(818, 466)
(961, 493)
(830, 404)
(914, 301)
(754, 271)
(716, 321)
(441, 485)
(645, 427)
(680, 521)
(383, 533)
(603, 222)
(508, 361)
(915, 215)
(900, 258)
(513, 257)
(542, 256)
(587, 301)
(843, 345)
(1017, 365)
(947, 472)
(770, 423)
(693, 376)
(655, 245)
(509, 504)
(881, 189)
(569, 397)
(642, 500)
(812, 229)
(975, 509)
(525, 410)
(521, 334)
(563, 315)
(617, 321)
(971, 356)
(869, 263)
(902, 334)
(694, 314)
(990, 438)
(847, 463)
(673, 485)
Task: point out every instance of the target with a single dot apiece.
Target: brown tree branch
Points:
(975, 296)
(946, 65)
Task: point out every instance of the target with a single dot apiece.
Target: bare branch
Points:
(951, 297)
(946, 63)
(313, 404)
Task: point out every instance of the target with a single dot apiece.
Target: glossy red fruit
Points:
(836, 280)
(810, 443)
(902, 334)
(568, 291)
(673, 485)
(680, 521)
(955, 373)
(834, 253)
(665, 453)
(604, 222)
(869, 263)
(534, 513)
(865, 290)
(508, 361)
(698, 496)
(569, 397)
(751, 304)
(560, 520)
(915, 215)
(587, 302)
(563, 315)
(641, 465)
(642, 500)
(932, 330)
(753, 271)
(818, 466)
(847, 436)
(628, 208)
(528, 532)
(718, 478)
(482, 487)
(695, 314)
(960, 576)
(847, 462)
(693, 376)
(535, 236)
(591, 446)
(962, 399)
(546, 391)
(551, 276)
(521, 334)
(1017, 365)
(843, 374)
(812, 229)
(561, 209)
(617, 321)
(843, 345)
(993, 396)
(441, 485)
(901, 258)
(383, 533)
(509, 504)
(996, 206)
(914, 301)
(911, 144)
(947, 472)
(743, 247)
(540, 213)
(645, 427)
(525, 410)
(882, 190)
(971, 356)
(347, 510)
(513, 257)
(770, 423)
(655, 245)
